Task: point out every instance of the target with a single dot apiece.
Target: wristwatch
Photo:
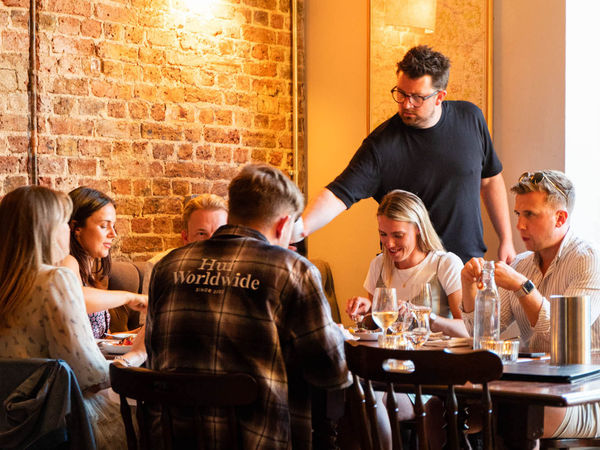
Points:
(525, 288)
(432, 316)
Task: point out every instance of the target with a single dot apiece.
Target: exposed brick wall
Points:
(147, 101)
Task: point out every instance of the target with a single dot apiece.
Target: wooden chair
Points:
(171, 393)
(569, 443)
(431, 367)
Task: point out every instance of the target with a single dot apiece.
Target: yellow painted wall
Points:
(336, 106)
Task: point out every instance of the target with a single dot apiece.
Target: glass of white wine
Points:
(384, 308)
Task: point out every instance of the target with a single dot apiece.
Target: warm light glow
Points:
(204, 7)
(411, 13)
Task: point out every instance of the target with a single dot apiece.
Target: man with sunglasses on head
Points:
(557, 263)
(439, 150)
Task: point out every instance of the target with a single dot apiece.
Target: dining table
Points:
(519, 403)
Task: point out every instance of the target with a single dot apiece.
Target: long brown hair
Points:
(29, 219)
(86, 201)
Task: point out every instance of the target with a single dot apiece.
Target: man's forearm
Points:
(321, 210)
(493, 193)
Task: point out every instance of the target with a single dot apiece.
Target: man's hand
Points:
(470, 277)
(358, 306)
(507, 277)
(506, 251)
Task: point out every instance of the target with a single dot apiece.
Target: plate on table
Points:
(366, 335)
(114, 348)
(121, 335)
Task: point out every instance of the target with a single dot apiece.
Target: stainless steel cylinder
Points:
(570, 330)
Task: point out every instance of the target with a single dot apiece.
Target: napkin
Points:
(447, 343)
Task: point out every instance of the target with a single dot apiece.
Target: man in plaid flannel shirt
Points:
(242, 302)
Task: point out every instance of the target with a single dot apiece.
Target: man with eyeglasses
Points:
(557, 263)
(439, 150)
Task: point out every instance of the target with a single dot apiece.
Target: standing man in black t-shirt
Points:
(439, 150)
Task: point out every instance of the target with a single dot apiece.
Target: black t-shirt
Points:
(443, 165)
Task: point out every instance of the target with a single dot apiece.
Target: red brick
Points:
(19, 19)
(151, 56)
(12, 164)
(95, 183)
(100, 149)
(206, 116)
(91, 106)
(141, 225)
(130, 206)
(121, 148)
(141, 188)
(241, 156)
(220, 172)
(258, 34)
(18, 144)
(258, 139)
(168, 205)
(68, 25)
(144, 92)
(73, 7)
(181, 187)
(50, 165)
(277, 21)
(184, 169)
(121, 186)
(162, 151)
(138, 110)
(172, 94)
(134, 35)
(224, 117)
(261, 18)
(162, 225)
(116, 51)
(193, 133)
(201, 187)
(161, 187)
(117, 129)
(63, 105)
(66, 147)
(276, 158)
(46, 145)
(204, 152)
(185, 151)
(193, 95)
(111, 13)
(161, 38)
(113, 31)
(72, 86)
(178, 112)
(16, 3)
(15, 42)
(158, 112)
(14, 181)
(223, 154)
(91, 28)
(82, 167)
(260, 51)
(222, 136)
(111, 90)
(71, 126)
(136, 244)
(162, 132)
(113, 69)
(152, 74)
(116, 110)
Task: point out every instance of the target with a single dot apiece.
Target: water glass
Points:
(385, 307)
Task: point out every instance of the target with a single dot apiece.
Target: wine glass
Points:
(384, 308)
(418, 329)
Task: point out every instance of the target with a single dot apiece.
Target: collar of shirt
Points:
(238, 230)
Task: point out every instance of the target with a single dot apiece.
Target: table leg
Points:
(519, 425)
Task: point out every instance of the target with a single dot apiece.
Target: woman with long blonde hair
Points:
(42, 311)
(412, 255)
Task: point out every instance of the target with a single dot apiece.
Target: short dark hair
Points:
(260, 192)
(423, 60)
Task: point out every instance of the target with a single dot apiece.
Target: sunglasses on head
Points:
(537, 177)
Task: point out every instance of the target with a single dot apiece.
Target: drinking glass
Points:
(418, 329)
(385, 307)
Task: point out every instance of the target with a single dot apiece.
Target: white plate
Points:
(121, 335)
(114, 349)
(367, 336)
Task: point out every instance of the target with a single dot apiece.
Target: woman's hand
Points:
(138, 302)
(358, 306)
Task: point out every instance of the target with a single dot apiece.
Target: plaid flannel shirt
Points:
(235, 303)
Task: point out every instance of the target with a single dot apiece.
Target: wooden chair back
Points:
(420, 367)
(166, 394)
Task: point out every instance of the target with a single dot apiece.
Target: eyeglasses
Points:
(537, 177)
(400, 96)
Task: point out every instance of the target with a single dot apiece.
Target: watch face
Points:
(528, 286)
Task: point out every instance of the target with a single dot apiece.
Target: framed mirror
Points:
(460, 29)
